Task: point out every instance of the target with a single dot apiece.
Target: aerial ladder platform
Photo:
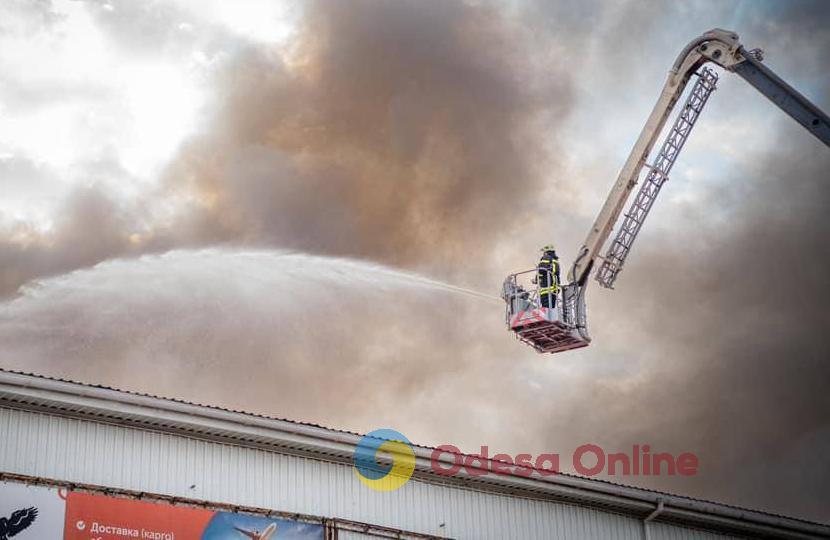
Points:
(564, 327)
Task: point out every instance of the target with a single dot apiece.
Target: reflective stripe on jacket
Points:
(548, 268)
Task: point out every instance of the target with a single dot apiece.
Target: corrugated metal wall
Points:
(662, 531)
(95, 453)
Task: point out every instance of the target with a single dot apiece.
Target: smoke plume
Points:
(392, 131)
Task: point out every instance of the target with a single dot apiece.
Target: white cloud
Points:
(266, 21)
(73, 98)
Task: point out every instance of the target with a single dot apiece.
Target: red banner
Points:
(42, 513)
(97, 517)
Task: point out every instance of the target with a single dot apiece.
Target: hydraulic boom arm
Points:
(724, 49)
(562, 327)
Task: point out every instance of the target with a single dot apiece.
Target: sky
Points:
(232, 203)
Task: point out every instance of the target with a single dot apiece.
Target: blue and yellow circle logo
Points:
(384, 460)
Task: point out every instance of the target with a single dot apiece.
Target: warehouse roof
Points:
(92, 402)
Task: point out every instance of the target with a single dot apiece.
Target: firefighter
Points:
(547, 274)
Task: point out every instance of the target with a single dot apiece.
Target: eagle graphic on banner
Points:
(17, 522)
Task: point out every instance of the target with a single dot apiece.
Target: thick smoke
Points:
(396, 131)
(392, 131)
(91, 228)
(732, 329)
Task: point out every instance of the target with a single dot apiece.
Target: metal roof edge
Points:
(79, 400)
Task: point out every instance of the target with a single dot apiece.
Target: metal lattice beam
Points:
(657, 176)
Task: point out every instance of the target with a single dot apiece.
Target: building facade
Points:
(96, 441)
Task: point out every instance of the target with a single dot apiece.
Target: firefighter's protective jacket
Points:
(548, 273)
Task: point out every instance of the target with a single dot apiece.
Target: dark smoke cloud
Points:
(389, 131)
(394, 131)
(731, 336)
(749, 334)
(90, 228)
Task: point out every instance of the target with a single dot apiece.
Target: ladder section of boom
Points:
(658, 174)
